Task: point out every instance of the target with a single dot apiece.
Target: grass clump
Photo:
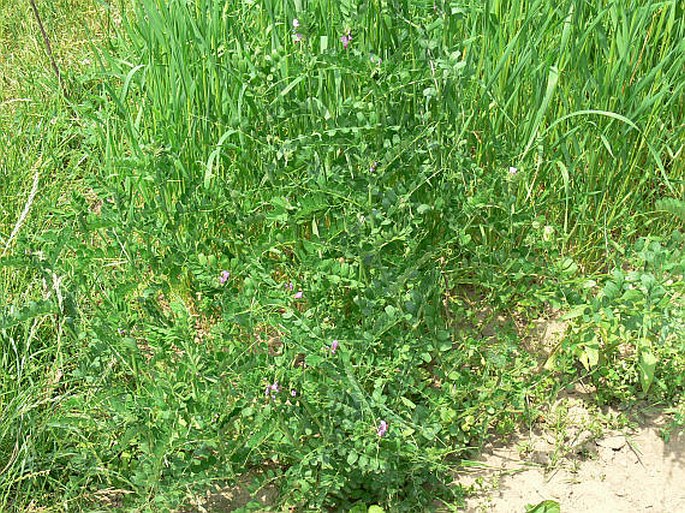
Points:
(304, 240)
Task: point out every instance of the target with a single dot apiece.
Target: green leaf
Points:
(313, 360)
(611, 290)
(552, 80)
(408, 403)
(292, 85)
(578, 311)
(376, 509)
(544, 507)
(647, 365)
(568, 267)
(589, 356)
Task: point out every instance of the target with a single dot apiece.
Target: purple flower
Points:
(382, 428)
(296, 23)
(373, 166)
(272, 390)
(224, 277)
(513, 170)
(298, 294)
(293, 392)
(346, 40)
(297, 38)
(334, 346)
(289, 285)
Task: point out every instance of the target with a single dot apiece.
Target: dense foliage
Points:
(308, 238)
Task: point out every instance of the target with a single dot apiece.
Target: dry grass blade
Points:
(27, 207)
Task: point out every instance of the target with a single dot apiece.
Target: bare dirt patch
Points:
(232, 498)
(624, 470)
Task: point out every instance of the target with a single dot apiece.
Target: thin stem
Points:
(48, 47)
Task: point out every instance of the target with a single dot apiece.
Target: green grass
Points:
(201, 137)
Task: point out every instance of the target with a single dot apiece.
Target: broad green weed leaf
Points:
(548, 506)
(647, 364)
(576, 312)
(589, 355)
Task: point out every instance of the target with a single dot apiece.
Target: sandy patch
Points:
(232, 498)
(622, 471)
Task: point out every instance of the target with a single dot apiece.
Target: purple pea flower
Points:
(513, 170)
(373, 166)
(298, 294)
(224, 277)
(272, 390)
(296, 23)
(293, 392)
(382, 428)
(297, 38)
(346, 39)
(334, 346)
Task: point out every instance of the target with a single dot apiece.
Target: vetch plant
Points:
(243, 145)
(382, 429)
(346, 39)
(297, 36)
(272, 390)
(224, 276)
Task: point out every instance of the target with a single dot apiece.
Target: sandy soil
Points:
(621, 471)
